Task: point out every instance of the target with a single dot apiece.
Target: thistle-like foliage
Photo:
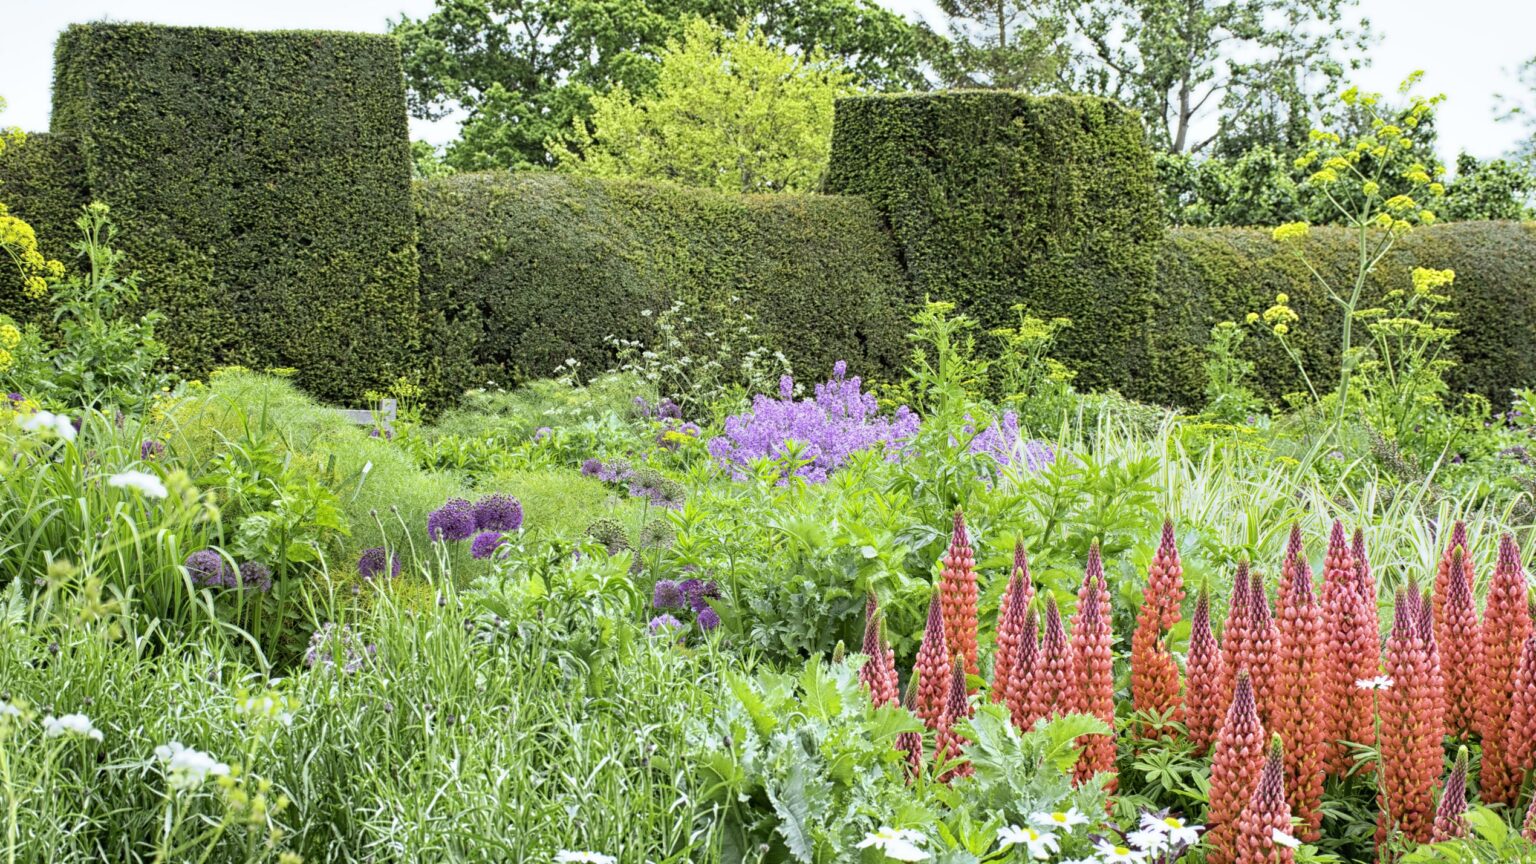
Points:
(879, 673)
(1011, 615)
(1298, 688)
(1235, 766)
(1519, 747)
(1266, 814)
(1093, 663)
(1203, 707)
(957, 588)
(1234, 633)
(1154, 673)
(1028, 674)
(1443, 576)
(1461, 650)
(1410, 745)
(1449, 821)
(1351, 652)
(1506, 623)
(1057, 690)
(1259, 651)
(950, 745)
(932, 667)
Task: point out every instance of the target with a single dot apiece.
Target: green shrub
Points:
(998, 198)
(1209, 275)
(263, 180)
(522, 271)
(42, 181)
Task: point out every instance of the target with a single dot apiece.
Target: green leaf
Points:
(763, 720)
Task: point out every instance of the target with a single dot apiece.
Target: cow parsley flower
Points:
(48, 424)
(72, 725)
(187, 768)
(142, 482)
(898, 844)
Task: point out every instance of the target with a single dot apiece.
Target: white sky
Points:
(1469, 49)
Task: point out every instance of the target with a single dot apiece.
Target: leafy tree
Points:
(521, 71)
(1492, 189)
(1003, 44)
(1256, 66)
(727, 111)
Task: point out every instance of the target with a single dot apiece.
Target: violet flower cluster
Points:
(1001, 441)
(374, 561)
(208, 569)
(643, 482)
(840, 421)
(459, 520)
(691, 594)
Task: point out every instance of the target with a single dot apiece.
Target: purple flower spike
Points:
(486, 543)
(150, 450)
(372, 563)
(498, 513)
(454, 521)
(709, 619)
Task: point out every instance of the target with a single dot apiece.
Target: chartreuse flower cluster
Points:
(19, 241)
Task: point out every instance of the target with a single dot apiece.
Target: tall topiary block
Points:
(261, 182)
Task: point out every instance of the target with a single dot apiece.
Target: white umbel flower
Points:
(142, 482)
(71, 725)
(48, 424)
(187, 768)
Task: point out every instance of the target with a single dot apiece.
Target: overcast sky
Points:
(1469, 49)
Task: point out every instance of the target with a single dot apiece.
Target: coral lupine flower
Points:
(1027, 674)
(1519, 746)
(1266, 815)
(1295, 550)
(1461, 650)
(957, 707)
(932, 667)
(879, 672)
(1235, 766)
(1506, 623)
(911, 743)
(1234, 634)
(1410, 744)
(1154, 673)
(1259, 650)
(1443, 575)
(957, 587)
(1010, 624)
(1093, 663)
(1364, 580)
(1351, 652)
(1056, 693)
(1203, 706)
(1298, 684)
(1449, 821)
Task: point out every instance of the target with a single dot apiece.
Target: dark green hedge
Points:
(999, 198)
(1209, 275)
(42, 181)
(262, 185)
(522, 271)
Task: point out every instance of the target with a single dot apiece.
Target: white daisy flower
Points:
(73, 725)
(1058, 819)
(1039, 844)
(564, 857)
(142, 482)
(1380, 682)
(1148, 840)
(1179, 832)
(1109, 853)
(187, 768)
(898, 844)
(1283, 839)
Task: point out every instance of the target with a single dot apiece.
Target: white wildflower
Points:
(1066, 820)
(47, 423)
(187, 768)
(1283, 839)
(1380, 682)
(1039, 844)
(143, 482)
(564, 857)
(1109, 853)
(899, 844)
(73, 725)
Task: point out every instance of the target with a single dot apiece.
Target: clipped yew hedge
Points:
(521, 272)
(42, 181)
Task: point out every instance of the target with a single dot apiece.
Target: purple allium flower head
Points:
(254, 574)
(617, 471)
(709, 619)
(15, 397)
(839, 421)
(454, 520)
(664, 621)
(208, 569)
(336, 646)
(498, 513)
(591, 468)
(486, 544)
(666, 595)
(372, 563)
(542, 432)
(689, 590)
(669, 410)
(150, 450)
(386, 433)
